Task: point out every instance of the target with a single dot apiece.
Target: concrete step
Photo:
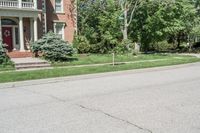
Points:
(30, 63)
(31, 66)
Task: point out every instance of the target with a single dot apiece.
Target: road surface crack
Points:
(48, 95)
(115, 117)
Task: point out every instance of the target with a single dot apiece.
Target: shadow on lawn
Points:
(163, 53)
(70, 59)
(64, 59)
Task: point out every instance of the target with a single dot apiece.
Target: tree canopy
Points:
(107, 23)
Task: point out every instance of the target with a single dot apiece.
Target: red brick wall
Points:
(67, 17)
(40, 20)
(40, 26)
(40, 4)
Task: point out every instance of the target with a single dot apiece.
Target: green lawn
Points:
(59, 72)
(6, 67)
(107, 58)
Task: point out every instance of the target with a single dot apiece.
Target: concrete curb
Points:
(88, 76)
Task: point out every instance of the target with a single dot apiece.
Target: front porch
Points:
(18, 54)
(20, 4)
(18, 32)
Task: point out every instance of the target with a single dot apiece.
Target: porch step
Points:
(30, 63)
(17, 54)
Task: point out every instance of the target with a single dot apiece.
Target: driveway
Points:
(157, 100)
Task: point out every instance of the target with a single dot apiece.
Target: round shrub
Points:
(4, 59)
(52, 47)
(162, 46)
(81, 44)
(3, 56)
(124, 47)
(120, 48)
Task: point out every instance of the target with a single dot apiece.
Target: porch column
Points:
(35, 29)
(0, 30)
(31, 29)
(21, 34)
(13, 38)
(20, 3)
(35, 4)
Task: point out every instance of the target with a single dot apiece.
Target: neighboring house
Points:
(22, 21)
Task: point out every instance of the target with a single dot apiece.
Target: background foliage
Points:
(154, 22)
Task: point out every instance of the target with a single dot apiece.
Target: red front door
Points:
(7, 37)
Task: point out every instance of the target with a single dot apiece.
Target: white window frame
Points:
(63, 28)
(62, 7)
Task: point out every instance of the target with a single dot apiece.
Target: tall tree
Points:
(158, 20)
(128, 9)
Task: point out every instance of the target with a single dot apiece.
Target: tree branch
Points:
(133, 11)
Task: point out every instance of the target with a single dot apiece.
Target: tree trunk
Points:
(125, 33)
(137, 47)
(125, 28)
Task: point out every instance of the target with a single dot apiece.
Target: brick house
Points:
(22, 21)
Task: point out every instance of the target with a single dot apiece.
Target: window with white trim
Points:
(59, 6)
(59, 29)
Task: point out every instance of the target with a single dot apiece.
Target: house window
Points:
(8, 22)
(59, 29)
(59, 5)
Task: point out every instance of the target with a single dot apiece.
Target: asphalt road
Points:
(145, 101)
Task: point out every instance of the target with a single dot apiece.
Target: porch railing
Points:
(16, 4)
(13, 4)
(27, 5)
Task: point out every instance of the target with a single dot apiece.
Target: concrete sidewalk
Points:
(191, 54)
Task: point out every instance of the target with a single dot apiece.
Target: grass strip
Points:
(107, 58)
(60, 72)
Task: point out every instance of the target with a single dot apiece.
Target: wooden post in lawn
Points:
(113, 59)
